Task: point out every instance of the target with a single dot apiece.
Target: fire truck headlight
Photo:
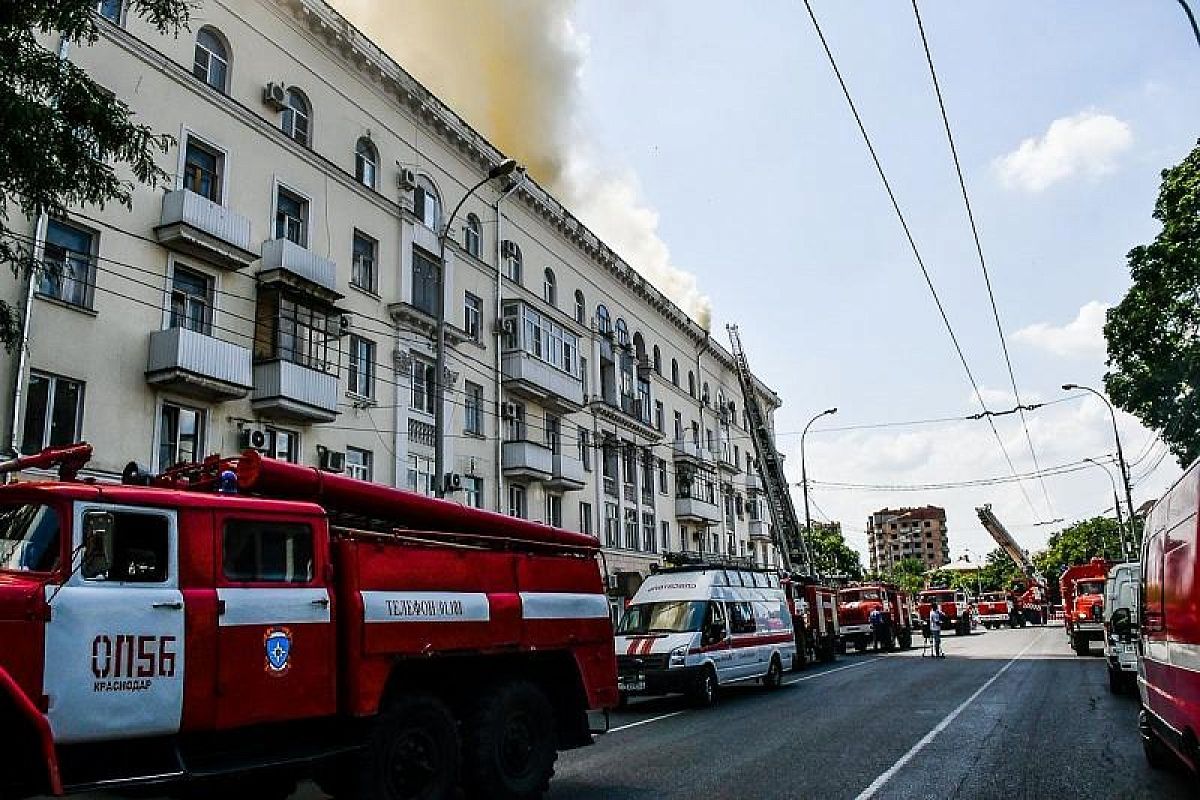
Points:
(679, 656)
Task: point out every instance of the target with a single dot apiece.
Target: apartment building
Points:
(896, 534)
(282, 294)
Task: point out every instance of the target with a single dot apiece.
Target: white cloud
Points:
(1082, 337)
(1087, 143)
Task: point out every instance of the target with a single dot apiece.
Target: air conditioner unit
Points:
(332, 460)
(275, 96)
(406, 179)
(509, 410)
(252, 438)
(454, 482)
(344, 324)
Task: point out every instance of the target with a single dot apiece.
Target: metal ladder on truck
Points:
(787, 533)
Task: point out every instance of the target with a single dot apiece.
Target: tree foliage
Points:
(831, 554)
(64, 139)
(908, 574)
(998, 572)
(1153, 334)
(1078, 544)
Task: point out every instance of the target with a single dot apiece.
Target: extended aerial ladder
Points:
(1035, 591)
(786, 531)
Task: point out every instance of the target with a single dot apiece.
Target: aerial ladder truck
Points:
(1031, 599)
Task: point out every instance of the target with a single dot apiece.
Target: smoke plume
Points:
(512, 70)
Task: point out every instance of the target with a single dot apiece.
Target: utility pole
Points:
(1133, 538)
(804, 472)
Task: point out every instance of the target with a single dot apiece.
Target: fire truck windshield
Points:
(29, 536)
(860, 595)
(938, 597)
(1089, 587)
(673, 616)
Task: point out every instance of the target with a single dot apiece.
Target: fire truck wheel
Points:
(412, 753)
(774, 677)
(1080, 645)
(905, 639)
(704, 692)
(508, 747)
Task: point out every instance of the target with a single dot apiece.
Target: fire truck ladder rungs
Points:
(1007, 543)
(786, 524)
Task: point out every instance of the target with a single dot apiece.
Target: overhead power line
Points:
(987, 280)
(996, 480)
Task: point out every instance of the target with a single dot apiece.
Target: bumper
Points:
(1122, 656)
(854, 630)
(993, 617)
(659, 681)
(1088, 627)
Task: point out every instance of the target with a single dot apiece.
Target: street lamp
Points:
(505, 168)
(1120, 455)
(1117, 502)
(804, 473)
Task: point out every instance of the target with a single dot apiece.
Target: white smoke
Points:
(512, 70)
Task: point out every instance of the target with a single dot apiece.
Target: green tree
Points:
(908, 574)
(64, 139)
(998, 572)
(1078, 544)
(831, 554)
(1153, 334)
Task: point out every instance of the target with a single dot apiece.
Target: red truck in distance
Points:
(243, 623)
(814, 619)
(956, 607)
(855, 604)
(995, 609)
(1082, 588)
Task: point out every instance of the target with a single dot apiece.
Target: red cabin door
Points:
(275, 631)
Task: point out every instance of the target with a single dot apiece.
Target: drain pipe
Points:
(499, 343)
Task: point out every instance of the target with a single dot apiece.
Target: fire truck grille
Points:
(628, 664)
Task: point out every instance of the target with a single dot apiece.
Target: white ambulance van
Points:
(693, 628)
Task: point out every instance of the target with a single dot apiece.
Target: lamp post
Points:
(804, 472)
(1120, 456)
(503, 169)
(1125, 544)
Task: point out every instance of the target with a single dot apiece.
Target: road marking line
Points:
(878, 783)
(831, 671)
(645, 721)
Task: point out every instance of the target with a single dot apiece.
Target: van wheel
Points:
(509, 743)
(412, 752)
(1157, 754)
(704, 693)
(774, 677)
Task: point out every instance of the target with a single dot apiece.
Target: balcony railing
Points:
(534, 379)
(198, 365)
(291, 391)
(752, 481)
(568, 473)
(522, 459)
(193, 224)
(694, 509)
(286, 256)
(759, 530)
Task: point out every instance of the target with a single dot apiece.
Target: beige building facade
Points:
(897, 534)
(281, 293)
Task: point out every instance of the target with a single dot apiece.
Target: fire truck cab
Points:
(855, 604)
(995, 609)
(955, 604)
(1082, 588)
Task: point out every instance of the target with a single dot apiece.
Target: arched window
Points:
(657, 361)
(704, 396)
(691, 383)
(549, 287)
(622, 332)
(426, 204)
(603, 324)
(733, 418)
(473, 235)
(580, 308)
(675, 372)
(512, 260)
(366, 162)
(211, 63)
(296, 117)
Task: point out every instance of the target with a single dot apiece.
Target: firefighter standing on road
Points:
(879, 628)
(935, 629)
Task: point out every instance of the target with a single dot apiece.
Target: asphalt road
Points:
(1008, 714)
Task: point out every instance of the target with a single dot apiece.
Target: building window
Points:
(426, 204)
(554, 510)
(472, 316)
(612, 526)
(585, 448)
(180, 435)
(421, 475)
(362, 263)
(423, 386)
(53, 412)
(473, 236)
(657, 362)
(631, 529)
(474, 409)
(516, 501)
(359, 463)
(675, 373)
(291, 213)
(580, 308)
(202, 170)
(362, 367)
(514, 422)
(541, 337)
(553, 433)
(549, 287)
(191, 300)
(649, 544)
(211, 63)
(366, 162)
(282, 444)
(111, 10)
(296, 117)
(603, 322)
(585, 518)
(473, 491)
(292, 330)
(622, 333)
(662, 475)
(691, 383)
(68, 264)
(512, 261)
(666, 535)
(659, 416)
(427, 283)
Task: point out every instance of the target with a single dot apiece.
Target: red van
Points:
(1169, 666)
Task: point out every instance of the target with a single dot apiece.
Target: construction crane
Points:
(786, 531)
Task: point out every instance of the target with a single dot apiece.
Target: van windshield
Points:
(669, 616)
(29, 536)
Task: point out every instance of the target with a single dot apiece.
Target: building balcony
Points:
(760, 530)
(528, 460)
(752, 482)
(198, 365)
(293, 392)
(195, 225)
(688, 451)
(284, 261)
(534, 379)
(725, 459)
(696, 510)
(567, 473)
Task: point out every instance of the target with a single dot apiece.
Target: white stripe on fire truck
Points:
(272, 606)
(382, 606)
(563, 605)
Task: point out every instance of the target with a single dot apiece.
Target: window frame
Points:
(425, 189)
(580, 308)
(314, 552)
(473, 236)
(361, 367)
(434, 293)
(473, 316)
(53, 380)
(221, 157)
(160, 432)
(549, 287)
(209, 299)
(473, 409)
(225, 58)
(282, 190)
(366, 465)
(88, 292)
(366, 165)
(288, 123)
(371, 284)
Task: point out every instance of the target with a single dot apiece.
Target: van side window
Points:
(270, 552)
(741, 618)
(135, 550)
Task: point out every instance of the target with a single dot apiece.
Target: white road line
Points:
(831, 671)
(645, 721)
(878, 783)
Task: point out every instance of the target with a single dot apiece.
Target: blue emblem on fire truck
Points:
(278, 645)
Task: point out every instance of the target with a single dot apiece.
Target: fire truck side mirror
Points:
(1122, 622)
(97, 544)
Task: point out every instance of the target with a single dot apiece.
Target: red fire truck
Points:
(259, 621)
(855, 604)
(995, 609)
(955, 604)
(1082, 588)
(814, 619)
(1169, 666)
